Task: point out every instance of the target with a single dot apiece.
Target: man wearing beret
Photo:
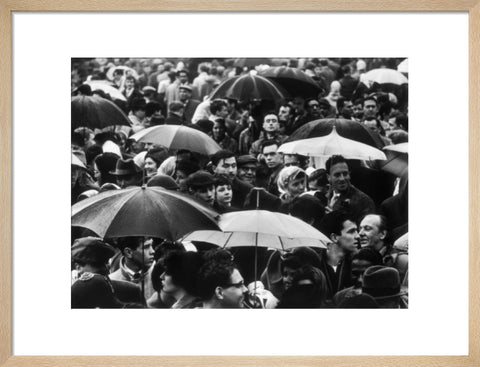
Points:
(201, 186)
(92, 288)
(189, 104)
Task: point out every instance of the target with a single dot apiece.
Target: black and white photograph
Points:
(273, 183)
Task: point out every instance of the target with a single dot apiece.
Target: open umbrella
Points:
(106, 87)
(126, 70)
(178, 137)
(346, 128)
(96, 112)
(403, 66)
(251, 62)
(332, 144)
(143, 211)
(387, 80)
(294, 80)
(249, 87)
(397, 159)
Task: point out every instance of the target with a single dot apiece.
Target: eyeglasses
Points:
(240, 284)
(314, 105)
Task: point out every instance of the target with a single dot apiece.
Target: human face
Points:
(246, 173)
(150, 167)
(206, 194)
(348, 238)
(358, 269)
(223, 195)
(370, 234)
(369, 110)
(218, 131)
(270, 124)
(183, 78)
(167, 284)
(287, 277)
(272, 158)
(296, 187)
(223, 112)
(284, 113)
(184, 95)
(314, 108)
(339, 177)
(298, 104)
(291, 160)
(357, 111)
(181, 180)
(129, 83)
(143, 254)
(323, 111)
(96, 172)
(227, 167)
(127, 180)
(233, 294)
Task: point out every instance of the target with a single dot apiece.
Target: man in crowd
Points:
(136, 264)
(189, 104)
(127, 173)
(271, 130)
(175, 113)
(285, 118)
(373, 232)
(201, 185)
(224, 163)
(220, 284)
(274, 162)
(246, 167)
(343, 195)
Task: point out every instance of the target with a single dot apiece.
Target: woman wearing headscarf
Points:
(291, 182)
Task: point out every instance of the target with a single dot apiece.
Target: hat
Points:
(93, 291)
(164, 181)
(148, 89)
(125, 167)
(175, 106)
(91, 250)
(186, 87)
(200, 178)
(323, 102)
(381, 282)
(246, 159)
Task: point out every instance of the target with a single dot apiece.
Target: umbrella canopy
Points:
(261, 228)
(249, 87)
(178, 137)
(397, 159)
(403, 66)
(251, 62)
(346, 128)
(96, 112)
(294, 80)
(106, 87)
(385, 76)
(143, 211)
(332, 144)
(126, 70)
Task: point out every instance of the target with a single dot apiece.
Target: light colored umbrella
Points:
(178, 137)
(107, 88)
(261, 228)
(397, 159)
(403, 66)
(385, 76)
(126, 71)
(332, 144)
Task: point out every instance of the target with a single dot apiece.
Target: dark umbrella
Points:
(251, 62)
(96, 112)
(294, 80)
(249, 87)
(143, 211)
(346, 128)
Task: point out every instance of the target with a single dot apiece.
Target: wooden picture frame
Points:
(7, 8)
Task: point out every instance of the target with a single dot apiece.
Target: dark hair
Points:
(221, 180)
(333, 222)
(183, 268)
(320, 176)
(370, 255)
(346, 69)
(187, 167)
(151, 108)
(130, 77)
(157, 154)
(216, 105)
(333, 160)
(132, 242)
(216, 271)
(307, 207)
(106, 162)
(182, 71)
(369, 98)
(221, 154)
(267, 143)
(299, 257)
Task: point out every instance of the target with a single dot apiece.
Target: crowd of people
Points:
(360, 208)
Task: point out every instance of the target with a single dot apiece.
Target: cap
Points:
(186, 87)
(200, 178)
(246, 159)
(164, 181)
(92, 250)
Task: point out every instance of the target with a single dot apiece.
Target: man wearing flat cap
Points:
(201, 185)
(246, 167)
(92, 288)
(127, 173)
(189, 104)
